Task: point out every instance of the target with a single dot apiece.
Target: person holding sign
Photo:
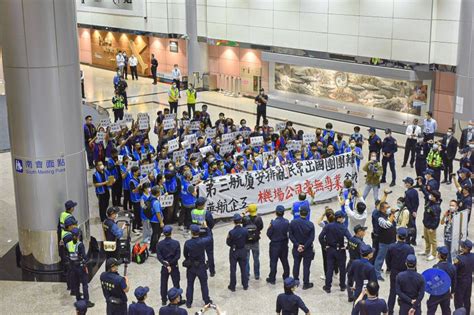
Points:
(154, 213)
(173, 95)
(188, 200)
(191, 99)
(102, 182)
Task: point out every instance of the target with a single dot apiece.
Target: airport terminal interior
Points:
(209, 122)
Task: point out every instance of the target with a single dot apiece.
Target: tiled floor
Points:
(52, 298)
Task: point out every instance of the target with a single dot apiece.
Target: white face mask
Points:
(242, 163)
(449, 134)
(101, 167)
(353, 145)
(435, 147)
(171, 169)
(211, 160)
(451, 208)
(373, 158)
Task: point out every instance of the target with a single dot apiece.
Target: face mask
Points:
(451, 208)
(373, 158)
(270, 160)
(211, 160)
(101, 167)
(242, 163)
(449, 134)
(148, 191)
(353, 145)
(435, 147)
(171, 169)
(218, 140)
(399, 205)
(243, 125)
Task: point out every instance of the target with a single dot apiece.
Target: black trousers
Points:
(82, 90)
(103, 204)
(134, 72)
(137, 219)
(448, 168)
(191, 108)
(127, 203)
(125, 71)
(118, 114)
(90, 156)
(153, 74)
(410, 146)
(155, 236)
(178, 84)
(116, 194)
(261, 112)
(185, 216)
(174, 107)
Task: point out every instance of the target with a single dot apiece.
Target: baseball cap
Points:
(466, 244)
(290, 282)
(388, 130)
(70, 204)
(402, 232)
(371, 129)
(194, 228)
(280, 209)
(359, 227)
(76, 231)
(464, 170)
(237, 217)
(141, 291)
(429, 171)
(411, 259)
(112, 210)
(110, 262)
(173, 293)
(70, 221)
(304, 210)
(436, 194)
(443, 250)
(167, 229)
(200, 201)
(339, 214)
(409, 180)
(365, 249)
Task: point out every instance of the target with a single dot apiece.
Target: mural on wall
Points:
(105, 45)
(395, 95)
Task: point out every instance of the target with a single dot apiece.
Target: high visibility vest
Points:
(72, 251)
(62, 218)
(118, 102)
(191, 96)
(64, 234)
(173, 95)
(198, 216)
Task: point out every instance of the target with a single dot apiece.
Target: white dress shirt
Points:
(176, 74)
(413, 131)
(132, 61)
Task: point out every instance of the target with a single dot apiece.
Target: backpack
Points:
(140, 253)
(252, 231)
(148, 209)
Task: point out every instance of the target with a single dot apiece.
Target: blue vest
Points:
(100, 178)
(134, 197)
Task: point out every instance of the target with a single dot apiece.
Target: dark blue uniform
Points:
(332, 238)
(443, 300)
(168, 253)
(77, 273)
(431, 185)
(396, 257)
(412, 202)
(371, 306)
(302, 233)
(353, 247)
(210, 245)
(464, 269)
(237, 254)
(194, 252)
(278, 234)
(410, 285)
(421, 150)
(361, 270)
(389, 147)
(375, 145)
(289, 304)
(140, 308)
(172, 309)
(113, 286)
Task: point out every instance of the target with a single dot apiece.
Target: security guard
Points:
(77, 257)
(174, 296)
(289, 302)
(111, 230)
(140, 308)
(430, 184)
(203, 218)
(168, 253)
(191, 97)
(421, 151)
(194, 261)
(464, 263)
(410, 288)
(435, 161)
(389, 148)
(302, 237)
(362, 270)
(353, 246)
(277, 232)
(118, 106)
(114, 288)
(395, 259)
(412, 202)
(69, 209)
(173, 95)
(332, 238)
(237, 254)
(66, 236)
(443, 300)
(375, 143)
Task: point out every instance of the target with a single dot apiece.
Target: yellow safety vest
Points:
(62, 218)
(118, 102)
(191, 96)
(173, 95)
(72, 250)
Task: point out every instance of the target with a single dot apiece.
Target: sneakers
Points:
(392, 184)
(430, 258)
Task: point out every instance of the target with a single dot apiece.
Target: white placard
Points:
(128, 117)
(115, 127)
(144, 180)
(185, 122)
(228, 137)
(196, 179)
(185, 144)
(245, 133)
(146, 168)
(191, 138)
(195, 125)
(168, 124)
(256, 141)
(166, 201)
(100, 137)
(104, 122)
(309, 137)
(206, 149)
(294, 145)
(173, 145)
(280, 126)
(196, 155)
(143, 124)
(225, 148)
(132, 164)
(179, 155)
(161, 164)
(459, 104)
(211, 132)
(170, 116)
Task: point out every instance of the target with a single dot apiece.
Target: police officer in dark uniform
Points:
(443, 300)
(289, 302)
(353, 247)
(194, 255)
(421, 152)
(278, 234)
(361, 270)
(395, 259)
(78, 275)
(140, 308)
(66, 236)
(429, 184)
(115, 288)
(375, 143)
(464, 263)
(111, 230)
(174, 295)
(332, 238)
(410, 288)
(389, 148)
(412, 202)
(168, 252)
(302, 237)
(237, 254)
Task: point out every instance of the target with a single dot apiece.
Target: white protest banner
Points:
(122, 123)
(115, 127)
(256, 141)
(185, 144)
(146, 168)
(309, 137)
(294, 145)
(195, 125)
(104, 122)
(245, 134)
(179, 155)
(168, 124)
(280, 126)
(100, 137)
(196, 155)
(132, 164)
(128, 117)
(228, 137)
(226, 148)
(173, 145)
(144, 180)
(206, 149)
(230, 194)
(143, 124)
(185, 123)
(211, 132)
(140, 115)
(166, 201)
(190, 138)
(170, 116)
(120, 159)
(161, 163)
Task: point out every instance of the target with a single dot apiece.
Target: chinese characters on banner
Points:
(268, 188)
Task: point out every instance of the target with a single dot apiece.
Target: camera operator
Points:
(374, 173)
(447, 221)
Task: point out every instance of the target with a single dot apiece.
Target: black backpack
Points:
(252, 230)
(148, 211)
